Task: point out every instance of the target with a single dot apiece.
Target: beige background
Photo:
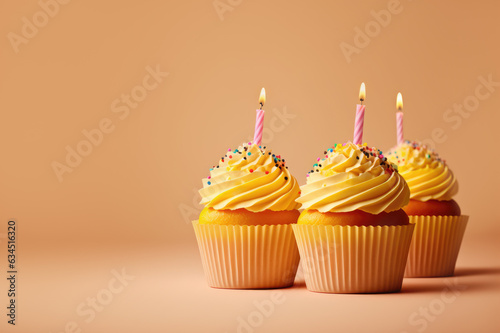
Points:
(129, 202)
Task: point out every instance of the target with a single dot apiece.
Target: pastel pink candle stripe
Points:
(358, 124)
(259, 127)
(399, 123)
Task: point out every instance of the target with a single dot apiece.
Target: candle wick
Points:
(361, 101)
(261, 106)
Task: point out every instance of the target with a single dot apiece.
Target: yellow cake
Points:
(244, 231)
(353, 235)
(439, 225)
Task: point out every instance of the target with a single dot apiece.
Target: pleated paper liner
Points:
(247, 257)
(353, 259)
(435, 246)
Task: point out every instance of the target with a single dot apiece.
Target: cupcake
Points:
(353, 235)
(244, 232)
(439, 225)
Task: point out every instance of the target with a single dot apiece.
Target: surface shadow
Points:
(436, 284)
(299, 283)
(421, 288)
(469, 271)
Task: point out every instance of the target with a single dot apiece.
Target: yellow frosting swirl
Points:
(352, 177)
(252, 178)
(427, 175)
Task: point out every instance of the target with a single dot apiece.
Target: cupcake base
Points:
(353, 259)
(247, 257)
(435, 245)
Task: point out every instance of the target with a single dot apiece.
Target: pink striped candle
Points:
(360, 117)
(259, 121)
(399, 118)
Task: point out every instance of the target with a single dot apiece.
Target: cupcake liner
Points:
(247, 257)
(435, 245)
(353, 259)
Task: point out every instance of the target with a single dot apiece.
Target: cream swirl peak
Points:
(351, 177)
(253, 178)
(427, 175)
